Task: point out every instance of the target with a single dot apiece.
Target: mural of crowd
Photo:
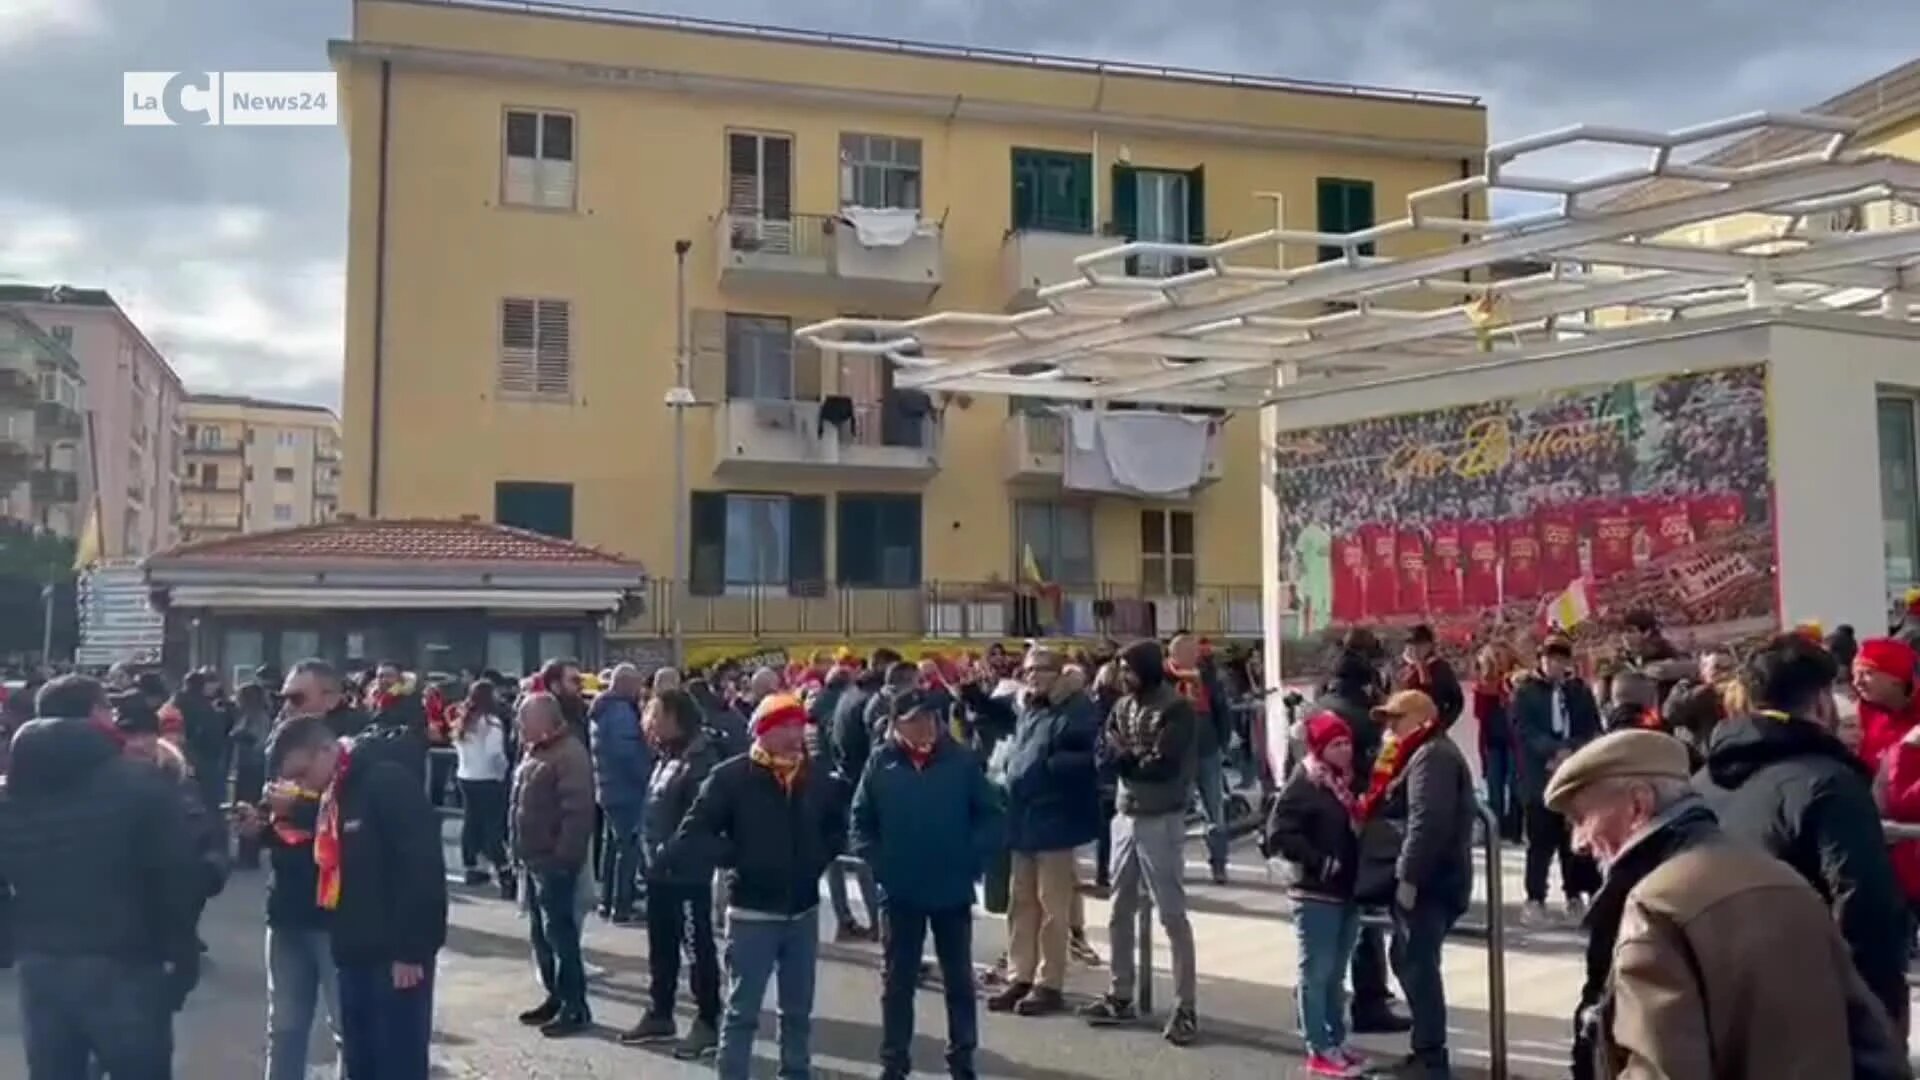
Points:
(1654, 494)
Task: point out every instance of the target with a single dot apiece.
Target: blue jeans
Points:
(953, 946)
(80, 1009)
(1418, 934)
(1212, 782)
(623, 861)
(1327, 931)
(300, 977)
(757, 944)
(1496, 768)
(554, 924)
(837, 891)
(384, 1030)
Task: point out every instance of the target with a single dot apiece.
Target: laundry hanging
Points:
(882, 228)
(1135, 453)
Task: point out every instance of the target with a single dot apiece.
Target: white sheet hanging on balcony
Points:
(882, 228)
(1135, 453)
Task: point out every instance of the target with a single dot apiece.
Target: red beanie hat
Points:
(1324, 729)
(778, 710)
(1889, 657)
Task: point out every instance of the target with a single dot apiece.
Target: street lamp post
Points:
(678, 399)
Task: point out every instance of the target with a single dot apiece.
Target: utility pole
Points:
(678, 399)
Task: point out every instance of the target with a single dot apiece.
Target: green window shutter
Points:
(1197, 206)
(1126, 202)
(1028, 182)
(854, 534)
(1360, 209)
(899, 525)
(807, 545)
(1080, 189)
(708, 535)
(1330, 202)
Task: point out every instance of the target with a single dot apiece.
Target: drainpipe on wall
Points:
(379, 291)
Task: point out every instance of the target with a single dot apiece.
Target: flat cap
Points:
(1410, 704)
(1642, 755)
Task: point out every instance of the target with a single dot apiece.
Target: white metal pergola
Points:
(1249, 323)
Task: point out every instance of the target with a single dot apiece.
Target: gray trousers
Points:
(1149, 852)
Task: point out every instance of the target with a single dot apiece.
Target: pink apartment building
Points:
(133, 400)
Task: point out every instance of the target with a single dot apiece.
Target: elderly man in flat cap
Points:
(1688, 916)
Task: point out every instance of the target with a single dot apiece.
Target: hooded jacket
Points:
(1791, 787)
(97, 851)
(1150, 739)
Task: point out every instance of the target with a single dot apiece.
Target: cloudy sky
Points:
(227, 243)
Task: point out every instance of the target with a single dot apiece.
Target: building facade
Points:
(133, 399)
(520, 374)
(252, 465)
(42, 429)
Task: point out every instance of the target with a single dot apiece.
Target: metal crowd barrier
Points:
(1899, 830)
(1496, 948)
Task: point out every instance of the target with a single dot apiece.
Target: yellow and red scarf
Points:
(1387, 767)
(326, 835)
(786, 768)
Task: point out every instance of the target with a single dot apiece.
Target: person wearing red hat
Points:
(776, 821)
(1313, 826)
(1883, 677)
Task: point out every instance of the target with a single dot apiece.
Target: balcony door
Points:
(760, 191)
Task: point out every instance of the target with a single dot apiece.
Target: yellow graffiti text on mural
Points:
(1489, 445)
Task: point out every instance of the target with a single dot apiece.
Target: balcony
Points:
(821, 255)
(1036, 446)
(768, 441)
(221, 450)
(55, 486)
(824, 613)
(56, 420)
(1033, 258)
(19, 387)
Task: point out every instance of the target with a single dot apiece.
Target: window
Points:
(1159, 204)
(539, 170)
(193, 433)
(298, 645)
(878, 541)
(288, 438)
(880, 171)
(210, 475)
(249, 474)
(743, 540)
(282, 475)
(1059, 536)
(759, 358)
(249, 436)
(61, 334)
(210, 438)
(1899, 492)
(1345, 206)
(760, 176)
(538, 507)
(507, 651)
(282, 513)
(1166, 552)
(536, 348)
(1052, 191)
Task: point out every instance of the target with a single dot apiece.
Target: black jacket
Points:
(293, 881)
(393, 872)
(1789, 786)
(1437, 680)
(1352, 701)
(675, 783)
(347, 721)
(849, 740)
(773, 844)
(1533, 727)
(96, 850)
(1433, 799)
(1309, 828)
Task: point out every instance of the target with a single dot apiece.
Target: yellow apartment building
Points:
(253, 465)
(519, 182)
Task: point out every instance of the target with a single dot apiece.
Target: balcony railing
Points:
(222, 450)
(55, 486)
(823, 253)
(754, 435)
(56, 420)
(1037, 257)
(983, 611)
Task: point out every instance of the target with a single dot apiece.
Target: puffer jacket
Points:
(622, 760)
(773, 842)
(1151, 741)
(1789, 786)
(1053, 785)
(552, 806)
(927, 829)
(1310, 828)
(677, 777)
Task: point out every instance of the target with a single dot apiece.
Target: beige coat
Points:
(1728, 966)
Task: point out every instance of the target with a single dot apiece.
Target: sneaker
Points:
(1379, 1020)
(1183, 1027)
(1043, 1001)
(1220, 875)
(1534, 915)
(1576, 910)
(1330, 1065)
(1351, 1056)
(541, 1013)
(1108, 1011)
(509, 887)
(477, 876)
(1083, 950)
(701, 1041)
(566, 1024)
(1010, 998)
(622, 918)
(850, 932)
(651, 1029)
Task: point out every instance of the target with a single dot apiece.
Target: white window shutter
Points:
(521, 188)
(517, 367)
(555, 181)
(554, 358)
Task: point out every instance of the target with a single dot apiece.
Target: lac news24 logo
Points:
(229, 98)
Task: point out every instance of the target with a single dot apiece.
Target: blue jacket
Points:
(1053, 787)
(927, 832)
(622, 760)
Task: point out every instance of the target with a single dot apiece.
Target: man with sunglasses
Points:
(314, 688)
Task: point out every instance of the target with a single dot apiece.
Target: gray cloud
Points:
(227, 243)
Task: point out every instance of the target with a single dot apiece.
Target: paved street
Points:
(1247, 957)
